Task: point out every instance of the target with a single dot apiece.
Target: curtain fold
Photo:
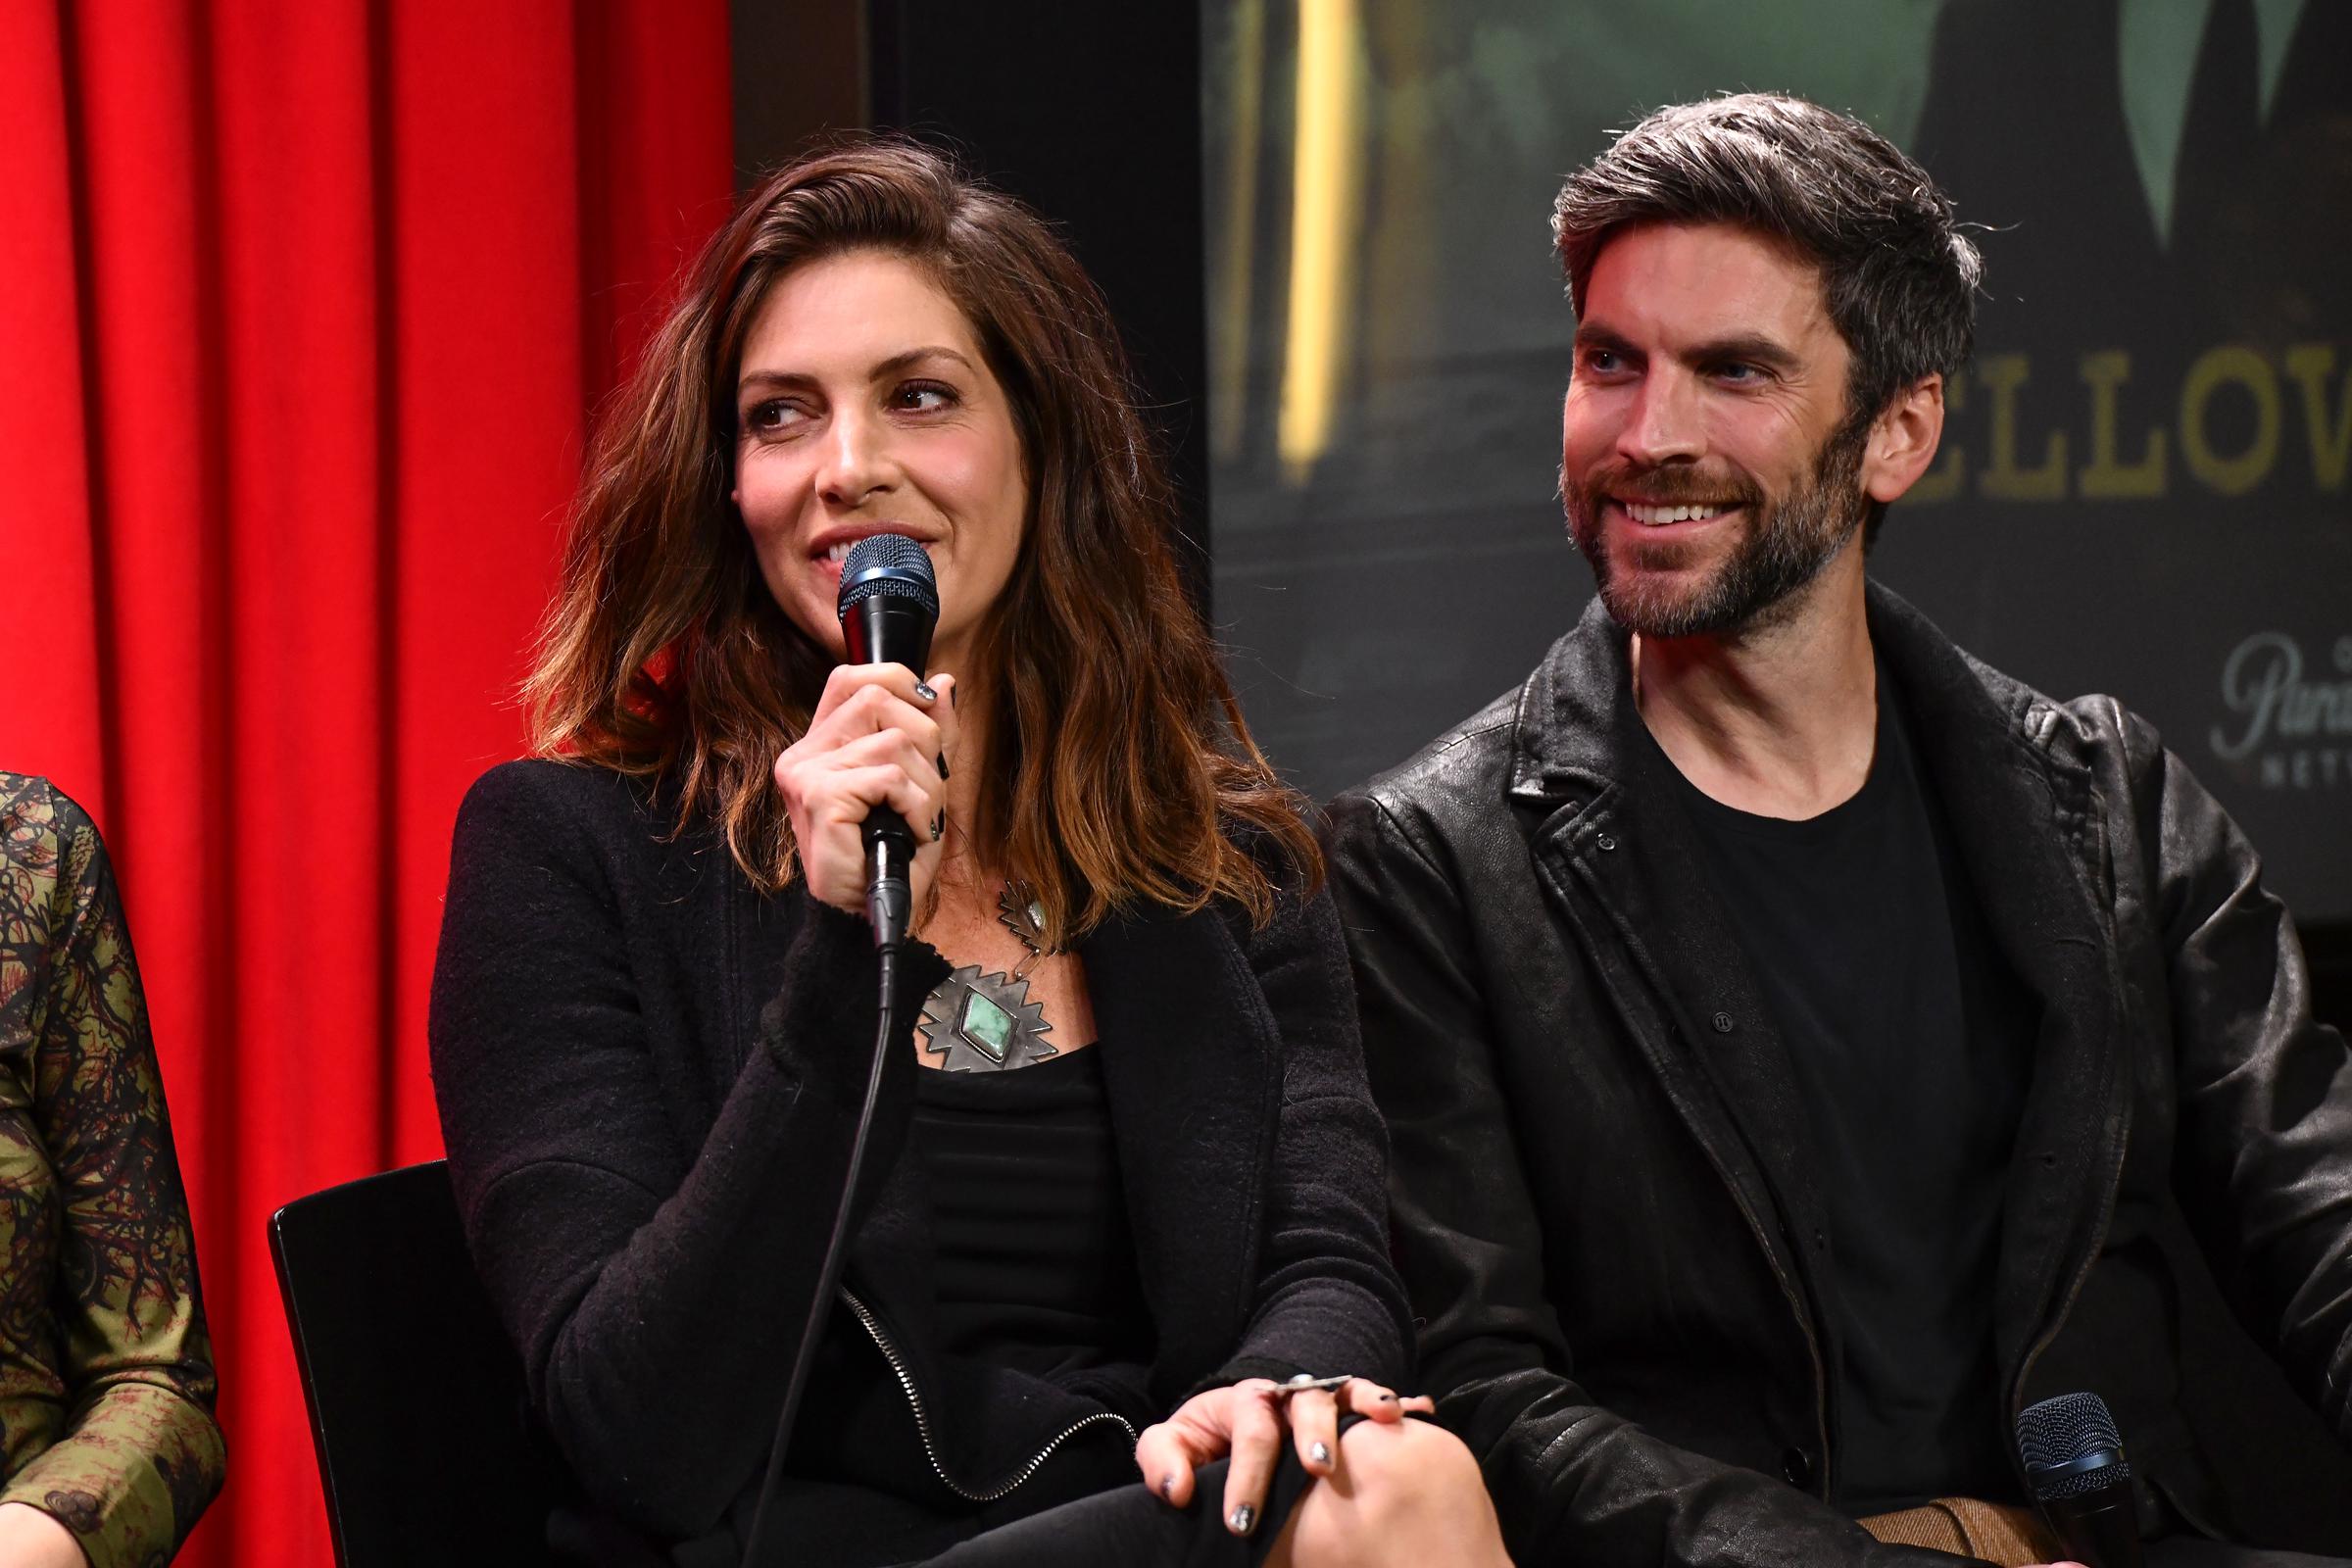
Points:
(302, 309)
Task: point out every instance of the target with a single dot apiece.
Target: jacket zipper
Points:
(922, 1417)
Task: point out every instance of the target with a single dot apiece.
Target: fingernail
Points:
(1388, 1398)
(922, 689)
(1167, 1485)
(939, 826)
(1241, 1519)
(943, 765)
(1320, 1453)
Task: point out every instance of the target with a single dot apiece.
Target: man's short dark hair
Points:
(1898, 278)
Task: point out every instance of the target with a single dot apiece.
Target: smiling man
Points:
(1798, 1040)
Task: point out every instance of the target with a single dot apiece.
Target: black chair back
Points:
(415, 1396)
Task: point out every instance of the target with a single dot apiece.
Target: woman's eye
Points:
(771, 417)
(924, 397)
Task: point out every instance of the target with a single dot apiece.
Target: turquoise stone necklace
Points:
(976, 1022)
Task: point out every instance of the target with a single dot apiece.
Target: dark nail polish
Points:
(922, 689)
(1388, 1398)
(943, 765)
(1320, 1453)
(939, 826)
(1241, 1519)
(1167, 1485)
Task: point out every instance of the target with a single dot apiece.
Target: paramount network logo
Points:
(2294, 726)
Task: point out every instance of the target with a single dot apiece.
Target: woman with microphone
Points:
(1116, 1284)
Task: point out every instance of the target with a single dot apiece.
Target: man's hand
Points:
(1248, 1420)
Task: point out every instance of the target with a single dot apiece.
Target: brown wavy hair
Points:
(1119, 768)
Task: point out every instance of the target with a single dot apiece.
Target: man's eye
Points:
(1602, 360)
(1739, 372)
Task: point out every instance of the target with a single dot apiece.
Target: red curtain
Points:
(302, 304)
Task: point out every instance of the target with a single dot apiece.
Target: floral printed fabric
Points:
(106, 1371)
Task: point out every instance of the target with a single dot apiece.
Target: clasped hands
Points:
(1249, 1421)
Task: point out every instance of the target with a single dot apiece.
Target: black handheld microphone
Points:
(2075, 1468)
(889, 604)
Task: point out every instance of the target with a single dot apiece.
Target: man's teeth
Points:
(1650, 517)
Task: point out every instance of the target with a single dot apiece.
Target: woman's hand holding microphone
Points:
(880, 736)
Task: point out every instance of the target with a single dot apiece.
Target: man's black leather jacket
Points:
(1603, 1201)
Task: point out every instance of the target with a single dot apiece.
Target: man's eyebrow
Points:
(1750, 348)
(1599, 335)
(907, 360)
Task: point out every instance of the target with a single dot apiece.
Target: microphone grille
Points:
(2070, 1446)
(889, 564)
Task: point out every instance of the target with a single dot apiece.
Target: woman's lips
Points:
(829, 560)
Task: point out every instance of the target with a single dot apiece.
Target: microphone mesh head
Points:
(887, 564)
(2062, 1441)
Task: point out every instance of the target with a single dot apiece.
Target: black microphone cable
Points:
(889, 602)
(828, 1273)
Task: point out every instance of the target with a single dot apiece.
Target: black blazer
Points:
(648, 1077)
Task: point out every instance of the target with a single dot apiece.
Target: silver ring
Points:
(1305, 1381)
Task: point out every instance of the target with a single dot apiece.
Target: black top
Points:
(649, 1077)
(1034, 1262)
(1910, 1039)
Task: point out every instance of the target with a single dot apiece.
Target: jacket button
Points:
(1723, 1023)
(1796, 1468)
(1605, 841)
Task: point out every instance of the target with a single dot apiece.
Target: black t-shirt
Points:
(1910, 1039)
(1035, 1267)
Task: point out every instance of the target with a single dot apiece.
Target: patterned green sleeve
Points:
(106, 1370)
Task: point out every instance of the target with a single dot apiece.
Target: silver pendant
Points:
(976, 1022)
(1019, 912)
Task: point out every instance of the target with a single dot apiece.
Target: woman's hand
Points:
(31, 1539)
(879, 737)
(1248, 1421)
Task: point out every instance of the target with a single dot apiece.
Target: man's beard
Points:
(1787, 544)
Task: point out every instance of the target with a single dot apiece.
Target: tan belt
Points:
(1998, 1531)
